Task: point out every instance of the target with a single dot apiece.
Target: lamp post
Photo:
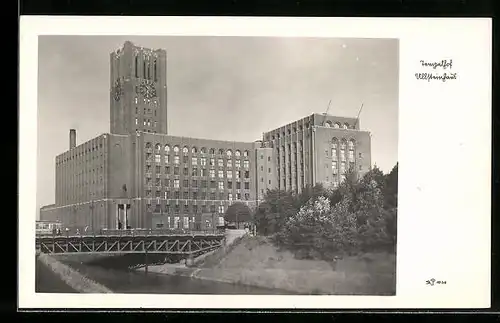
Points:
(92, 216)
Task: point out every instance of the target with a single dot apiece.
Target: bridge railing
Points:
(134, 232)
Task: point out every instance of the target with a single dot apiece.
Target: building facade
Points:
(139, 176)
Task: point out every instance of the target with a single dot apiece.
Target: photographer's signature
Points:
(433, 282)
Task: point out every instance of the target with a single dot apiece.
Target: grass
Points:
(255, 261)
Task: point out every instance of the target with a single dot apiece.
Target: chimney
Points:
(72, 138)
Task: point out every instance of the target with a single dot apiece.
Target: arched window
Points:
(212, 151)
(185, 150)
(167, 149)
(300, 127)
(289, 131)
(221, 152)
(158, 147)
(346, 126)
(176, 149)
(194, 150)
(203, 150)
(148, 145)
(229, 153)
(336, 125)
(351, 144)
(328, 124)
(237, 153)
(245, 153)
(343, 144)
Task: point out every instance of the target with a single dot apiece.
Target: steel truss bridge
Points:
(132, 241)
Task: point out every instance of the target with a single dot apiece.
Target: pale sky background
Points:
(226, 88)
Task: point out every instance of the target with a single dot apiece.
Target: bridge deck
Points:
(161, 243)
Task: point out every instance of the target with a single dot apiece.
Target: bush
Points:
(359, 216)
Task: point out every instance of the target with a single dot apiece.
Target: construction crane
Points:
(357, 118)
(328, 108)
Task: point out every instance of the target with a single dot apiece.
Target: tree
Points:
(238, 212)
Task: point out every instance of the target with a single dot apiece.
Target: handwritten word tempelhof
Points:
(436, 76)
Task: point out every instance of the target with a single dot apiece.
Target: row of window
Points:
(177, 209)
(77, 154)
(202, 173)
(328, 124)
(194, 161)
(203, 196)
(194, 150)
(167, 183)
(186, 223)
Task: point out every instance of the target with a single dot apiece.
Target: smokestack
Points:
(72, 138)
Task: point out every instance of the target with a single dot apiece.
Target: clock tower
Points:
(138, 90)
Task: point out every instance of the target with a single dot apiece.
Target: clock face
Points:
(146, 89)
(117, 91)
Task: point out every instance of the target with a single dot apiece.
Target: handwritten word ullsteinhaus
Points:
(433, 282)
(444, 64)
(433, 77)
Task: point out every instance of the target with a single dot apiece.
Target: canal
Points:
(123, 280)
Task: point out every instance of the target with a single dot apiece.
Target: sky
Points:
(225, 88)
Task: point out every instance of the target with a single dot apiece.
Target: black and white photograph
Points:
(254, 163)
(217, 165)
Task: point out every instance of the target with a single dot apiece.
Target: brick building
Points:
(138, 176)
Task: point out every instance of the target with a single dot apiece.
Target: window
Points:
(194, 161)
(203, 150)
(334, 165)
(220, 162)
(360, 167)
(229, 153)
(246, 164)
(229, 174)
(136, 121)
(268, 158)
(176, 183)
(230, 196)
(360, 155)
(247, 185)
(157, 158)
(342, 167)
(135, 100)
(346, 126)
(351, 154)
(229, 185)
(269, 182)
(238, 174)
(212, 151)
(185, 159)
(237, 163)
(221, 210)
(194, 150)
(245, 153)
(194, 171)
(229, 163)
(186, 194)
(203, 184)
(237, 153)
(247, 195)
(167, 159)
(221, 152)
(185, 171)
(221, 173)
(336, 125)
(176, 149)
(176, 170)
(203, 161)
(262, 156)
(221, 185)
(269, 170)
(238, 185)
(261, 168)
(167, 149)
(212, 173)
(203, 172)
(247, 174)
(212, 161)
(186, 222)
(328, 124)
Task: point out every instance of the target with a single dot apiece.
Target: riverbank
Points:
(62, 274)
(255, 261)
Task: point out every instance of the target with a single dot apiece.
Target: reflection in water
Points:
(130, 281)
